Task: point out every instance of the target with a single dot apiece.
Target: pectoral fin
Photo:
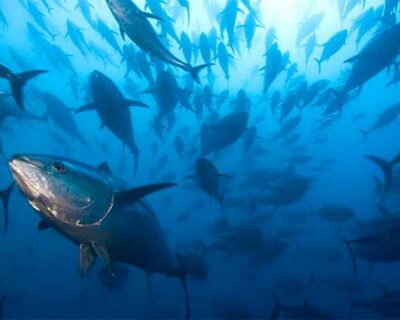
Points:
(104, 256)
(354, 58)
(88, 107)
(134, 103)
(87, 258)
(134, 195)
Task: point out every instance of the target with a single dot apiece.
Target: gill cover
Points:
(64, 190)
(78, 199)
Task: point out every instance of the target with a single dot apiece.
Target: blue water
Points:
(39, 270)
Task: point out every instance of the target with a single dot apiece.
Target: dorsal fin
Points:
(87, 107)
(134, 195)
(105, 167)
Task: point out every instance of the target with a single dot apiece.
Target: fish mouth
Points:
(18, 162)
(27, 174)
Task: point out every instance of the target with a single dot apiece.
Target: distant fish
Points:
(309, 47)
(385, 119)
(113, 110)
(272, 66)
(5, 198)
(185, 4)
(386, 167)
(224, 59)
(186, 47)
(3, 20)
(18, 59)
(332, 46)
(228, 19)
(291, 71)
(47, 6)
(308, 26)
(62, 116)
(288, 127)
(85, 7)
(134, 23)
(18, 81)
(223, 133)
(108, 35)
(39, 17)
(77, 37)
(250, 26)
(208, 178)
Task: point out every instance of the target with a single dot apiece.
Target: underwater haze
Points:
(206, 159)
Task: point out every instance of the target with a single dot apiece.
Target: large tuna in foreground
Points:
(100, 213)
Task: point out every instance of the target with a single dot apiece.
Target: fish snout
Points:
(19, 161)
(22, 166)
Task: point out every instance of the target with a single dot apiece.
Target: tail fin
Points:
(319, 65)
(18, 81)
(194, 71)
(352, 256)
(386, 167)
(182, 278)
(5, 197)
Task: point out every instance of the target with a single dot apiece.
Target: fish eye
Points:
(59, 167)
